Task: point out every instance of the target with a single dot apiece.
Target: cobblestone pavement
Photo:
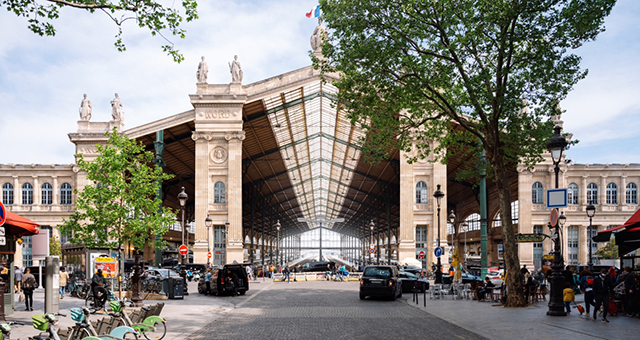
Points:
(326, 310)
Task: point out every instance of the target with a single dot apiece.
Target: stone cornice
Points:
(237, 136)
(161, 124)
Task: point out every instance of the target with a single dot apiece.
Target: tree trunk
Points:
(136, 297)
(515, 297)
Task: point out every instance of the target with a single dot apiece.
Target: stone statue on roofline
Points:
(117, 111)
(319, 35)
(236, 70)
(203, 70)
(85, 109)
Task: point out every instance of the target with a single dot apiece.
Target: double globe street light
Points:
(182, 197)
(591, 211)
(438, 194)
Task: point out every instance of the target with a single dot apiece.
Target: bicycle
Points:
(147, 328)
(5, 329)
(84, 330)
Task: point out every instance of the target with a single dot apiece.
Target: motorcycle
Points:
(197, 276)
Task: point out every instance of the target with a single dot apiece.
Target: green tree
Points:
(460, 77)
(608, 252)
(120, 206)
(55, 248)
(146, 13)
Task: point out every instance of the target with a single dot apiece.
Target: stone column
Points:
(17, 191)
(55, 190)
(234, 197)
(525, 250)
(202, 194)
(36, 190)
(622, 192)
(406, 241)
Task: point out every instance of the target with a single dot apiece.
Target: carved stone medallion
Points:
(218, 155)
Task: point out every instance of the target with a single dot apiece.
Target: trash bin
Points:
(177, 291)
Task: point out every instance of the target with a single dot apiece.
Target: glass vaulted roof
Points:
(317, 144)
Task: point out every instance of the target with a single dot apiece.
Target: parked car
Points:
(410, 280)
(495, 278)
(220, 285)
(469, 278)
(380, 281)
(413, 269)
(316, 266)
(160, 273)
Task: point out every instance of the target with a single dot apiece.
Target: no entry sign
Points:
(209, 255)
(183, 250)
(421, 254)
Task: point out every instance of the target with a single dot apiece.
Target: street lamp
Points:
(465, 226)
(208, 222)
(182, 197)
(556, 145)
(591, 211)
(438, 194)
(226, 238)
(277, 225)
(556, 303)
(371, 226)
(452, 221)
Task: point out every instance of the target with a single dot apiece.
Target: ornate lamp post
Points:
(452, 221)
(208, 223)
(465, 226)
(591, 211)
(556, 146)
(226, 237)
(278, 258)
(182, 197)
(556, 303)
(438, 194)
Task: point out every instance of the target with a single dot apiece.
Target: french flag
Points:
(315, 12)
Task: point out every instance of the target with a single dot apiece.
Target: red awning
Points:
(20, 226)
(605, 235)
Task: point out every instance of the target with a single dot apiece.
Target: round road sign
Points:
(183, 250)
(438, 252)
(421, 254)
(554, 217)
(3, 214)
(372, 251)
(209, 255)
(371, 246)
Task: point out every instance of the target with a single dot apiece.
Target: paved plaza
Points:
(332, 310)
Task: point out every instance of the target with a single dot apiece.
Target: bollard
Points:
(425, 297)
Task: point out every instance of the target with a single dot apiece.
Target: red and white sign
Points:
(421, 254)
(372, 246)
(183, 250)
(3, 215)
(209, 255)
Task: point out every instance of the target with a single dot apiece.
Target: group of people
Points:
(600, 289)
(336, 273)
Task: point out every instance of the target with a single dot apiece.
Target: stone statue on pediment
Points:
(236, 70)
(203, 70)
(85, 109)
(117, 111)
(319, 35)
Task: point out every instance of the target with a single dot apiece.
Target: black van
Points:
(220, 285)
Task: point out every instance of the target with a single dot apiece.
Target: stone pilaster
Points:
(36, 190)
(406, 242)
(56, 190)
(525, 182)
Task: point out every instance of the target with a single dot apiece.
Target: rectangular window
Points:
(572, 243)
(27, 260)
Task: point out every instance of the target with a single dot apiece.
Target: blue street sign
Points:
(556, 198)
(438, 252)
(372, 251)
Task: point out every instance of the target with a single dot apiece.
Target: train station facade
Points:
(274, 159)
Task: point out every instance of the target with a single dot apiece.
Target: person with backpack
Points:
(28, 285)
(602, 288)
(586, 285)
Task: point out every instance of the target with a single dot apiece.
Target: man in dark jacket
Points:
(601, 288)
(234, 280)
(629, 291)
(97, 286)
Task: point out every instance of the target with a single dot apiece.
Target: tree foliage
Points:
(120, 205)
(146, 13)
(55, 248)
(451, 78)
(608, 252)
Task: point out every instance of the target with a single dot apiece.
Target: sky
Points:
(42, 79)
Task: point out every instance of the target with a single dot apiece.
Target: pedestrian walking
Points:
(602, 288)
(524, 269)
(586, 285)
(629, 287)
(568, 296)
(64, 277)
(17, 279)
(28, 285)
(286, 274)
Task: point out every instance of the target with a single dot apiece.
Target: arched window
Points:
(473, 221)
(536, 193)
(65, 193)
(632, 193)
(515, 206)
(612, 193)
(47, 194)
(7, 193)
(421, 193)
(219, 193)
(27, 193)
(572, 194)
(592, 193)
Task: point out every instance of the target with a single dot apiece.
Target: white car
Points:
(495, 277)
